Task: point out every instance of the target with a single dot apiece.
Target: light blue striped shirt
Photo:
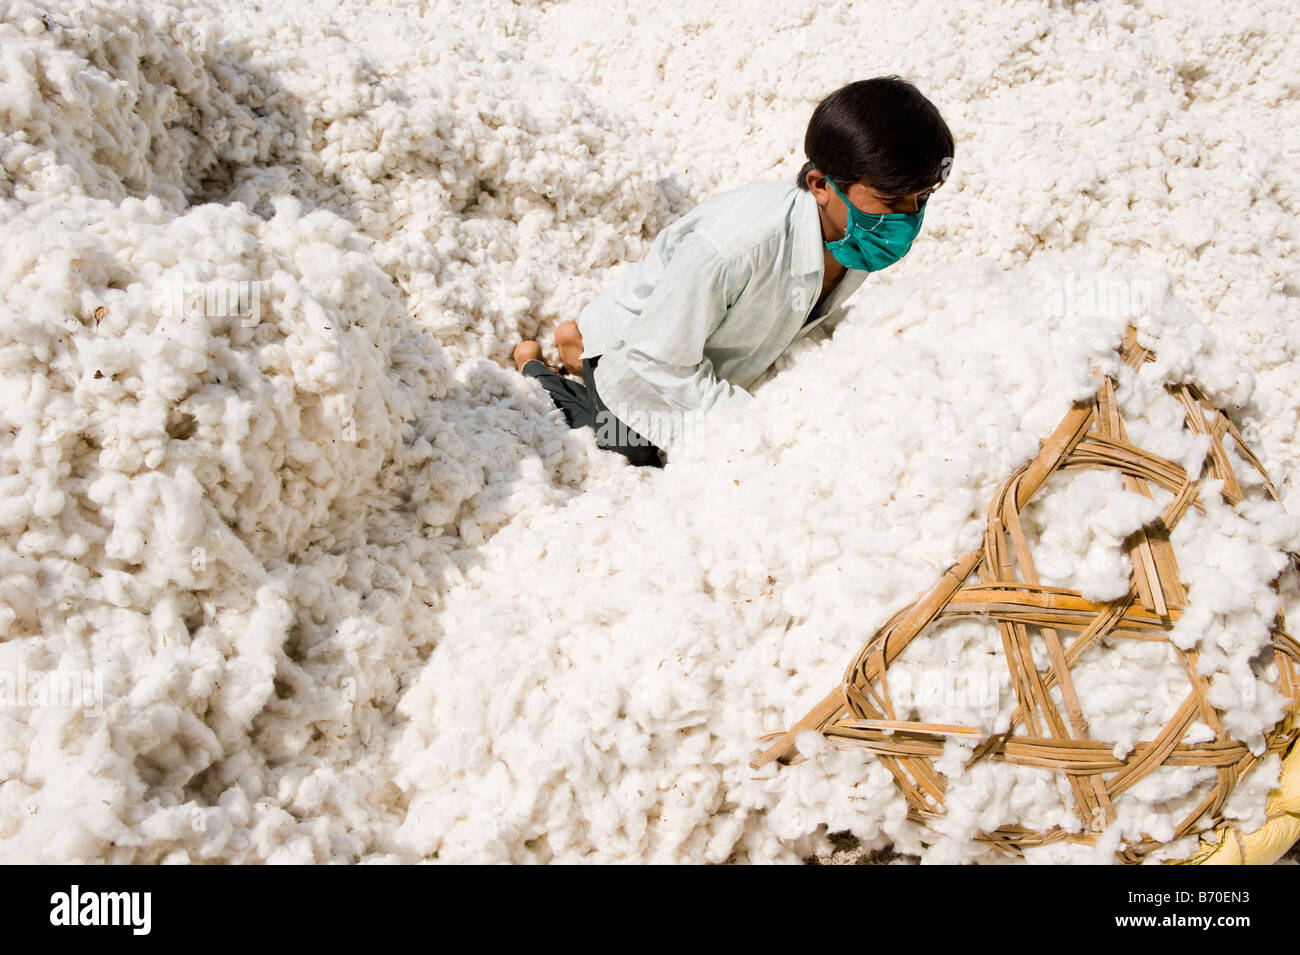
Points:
(722, 293)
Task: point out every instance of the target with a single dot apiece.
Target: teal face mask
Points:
(874, 242)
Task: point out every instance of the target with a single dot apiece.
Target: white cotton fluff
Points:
(1081, 528)
(354, 591)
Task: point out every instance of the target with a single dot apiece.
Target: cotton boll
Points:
(1198, 732)
(1247, 805)
(1080, 528)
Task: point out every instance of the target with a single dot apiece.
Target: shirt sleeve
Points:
(659, 382)
(663, 403)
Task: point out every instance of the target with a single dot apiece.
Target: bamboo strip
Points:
(1007, 592)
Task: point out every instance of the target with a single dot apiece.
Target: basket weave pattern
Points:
(998, 582)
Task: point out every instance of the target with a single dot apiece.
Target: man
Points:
(726, 288)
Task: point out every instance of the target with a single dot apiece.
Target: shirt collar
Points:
(806, 250)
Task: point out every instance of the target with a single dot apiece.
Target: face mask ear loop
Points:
(848, 218)
(852, 209)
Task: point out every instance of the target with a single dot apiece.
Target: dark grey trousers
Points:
(583, 408)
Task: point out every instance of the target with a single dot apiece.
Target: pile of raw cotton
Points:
(336, 585)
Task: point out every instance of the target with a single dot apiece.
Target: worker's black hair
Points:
(882, 130)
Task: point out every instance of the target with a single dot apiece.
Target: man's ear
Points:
(818, 186)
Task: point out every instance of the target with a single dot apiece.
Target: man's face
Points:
(834, 214)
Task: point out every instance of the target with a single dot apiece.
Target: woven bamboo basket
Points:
(998, 582)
